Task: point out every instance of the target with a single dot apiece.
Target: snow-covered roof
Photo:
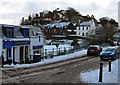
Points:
(6, 25)
(117, 35)
(85, 23)
(26, 27)
(48, 41)
(59, 24)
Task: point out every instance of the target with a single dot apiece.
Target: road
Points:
(62, 72)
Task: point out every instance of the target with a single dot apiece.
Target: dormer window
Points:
(10, 32)
(26, 33)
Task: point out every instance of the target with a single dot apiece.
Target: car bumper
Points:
(107, 57)
(92, 53)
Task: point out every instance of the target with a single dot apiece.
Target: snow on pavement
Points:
(108, 77)
(54, 59)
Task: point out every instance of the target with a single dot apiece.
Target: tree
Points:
(71, 13)
(108, 29)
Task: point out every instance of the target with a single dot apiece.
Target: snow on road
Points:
(54, 59)
(108, 77)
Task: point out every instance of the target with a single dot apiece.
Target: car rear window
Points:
(109, 49)
(92, 48)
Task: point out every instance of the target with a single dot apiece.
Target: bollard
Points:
(109, 64)
(100, 72)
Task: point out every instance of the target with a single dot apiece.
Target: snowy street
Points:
(66, 71)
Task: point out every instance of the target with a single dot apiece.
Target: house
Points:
(60, 28)
(85, 28)
(18, 44)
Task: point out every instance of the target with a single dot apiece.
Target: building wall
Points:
(80, 31)
(35, 42)
(87, 32)
(92, 29)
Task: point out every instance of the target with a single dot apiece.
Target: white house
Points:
(17, 43)
(36, 42)
(85, 28)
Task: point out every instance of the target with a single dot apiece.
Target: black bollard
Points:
(109, 64)
(100, 72)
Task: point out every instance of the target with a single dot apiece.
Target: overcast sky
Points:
(11, 11)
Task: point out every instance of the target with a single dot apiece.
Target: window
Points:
(39, 38)
(83, 28)
(82, 34)
(10, 32)
(26, 32)
(87, 28)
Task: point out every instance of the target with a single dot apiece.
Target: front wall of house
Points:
(35, 42)
(80, 31)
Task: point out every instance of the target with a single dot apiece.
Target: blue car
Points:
(110, 52)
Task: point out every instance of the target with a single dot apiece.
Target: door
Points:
(9, 58)
(26, 54)
(21, 54)
(9, 54)
(13, 54)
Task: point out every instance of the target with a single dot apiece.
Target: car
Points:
(94, 50)
(110, 53)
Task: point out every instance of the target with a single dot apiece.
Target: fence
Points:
(61, 51)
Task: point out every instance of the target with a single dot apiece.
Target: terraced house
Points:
(20, 44)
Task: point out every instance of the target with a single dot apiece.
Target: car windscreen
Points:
(92, 48)
(109, 50)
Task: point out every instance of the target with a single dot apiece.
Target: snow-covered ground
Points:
(55, 59)
(108, 77)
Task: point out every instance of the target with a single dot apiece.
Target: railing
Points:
(61, 51)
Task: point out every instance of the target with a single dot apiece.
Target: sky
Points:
(12, 11)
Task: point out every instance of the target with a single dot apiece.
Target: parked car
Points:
(110, 52)
(94, 50)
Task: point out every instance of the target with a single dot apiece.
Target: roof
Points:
(94, 46)
(115, 47)
(117, 35)
(61, 24)
(17, 30)
(85, 23)
(6, 25)
(33, 30)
